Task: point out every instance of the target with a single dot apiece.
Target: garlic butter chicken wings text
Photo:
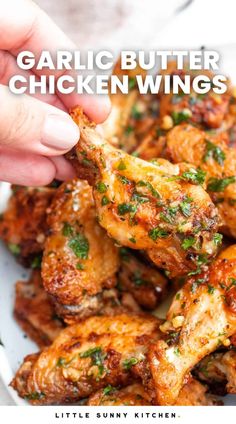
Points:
(154, 207)
(201, 318)
(86, 357)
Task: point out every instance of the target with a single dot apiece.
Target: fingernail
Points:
(59, 132)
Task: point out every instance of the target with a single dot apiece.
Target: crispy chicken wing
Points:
(212, 154)
(147, 206)
(34, 311)
(146, 284)
(132, 395)
(79, 259)
(86, 357)
(23, 225)
(204, 110)
(218, 370)
(202, 317)
(192, 394)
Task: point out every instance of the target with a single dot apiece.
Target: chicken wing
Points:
(218, 370)
(143, 207)
(86, 357)
(201, 318)
(192, 394)
(23, 225)
(146, 284)
(34, 311)
(204, 110)
(212, 154)
(79, 259)
(132, 395)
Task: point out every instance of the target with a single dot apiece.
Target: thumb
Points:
(34, 126)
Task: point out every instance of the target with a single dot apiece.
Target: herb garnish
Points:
(219, 184)
(158, 232)
(215, 152)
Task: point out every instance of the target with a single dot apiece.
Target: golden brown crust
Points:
(212, 154)
(86, 357)
(198, 321)
(147, 285)
(79, 260)
(23, 225)
(34, 311)
(136, 197)
(132, 395)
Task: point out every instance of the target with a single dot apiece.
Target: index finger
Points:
(24, 26)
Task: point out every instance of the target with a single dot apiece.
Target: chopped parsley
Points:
(36, 262)
(219, 184)
(211, 289)
(188, 242)
(215, 152)
(14, 248)
(196, 283)
(124, 254)
(181, 116)
(121, 166)
(105, 201)
(169, 214)
(97, 357)
(124, 208)
(132, 83)
(61, 362)
(137, 279)
(80, 266)
(128, 131)
(149, 187)
(101, 187)
(195, 176)
(135, 113)
(128, 363)
(123, 179)
(80, 246)
(67, 230)
(35, 396)
(217, 239)
(158, 232)
(185, 206)
(109, 389)
(177, 351)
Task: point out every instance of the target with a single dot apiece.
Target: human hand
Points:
(35, 131)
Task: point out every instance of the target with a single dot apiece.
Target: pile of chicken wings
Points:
(149, 221)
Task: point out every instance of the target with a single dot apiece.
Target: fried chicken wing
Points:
(79, 259)
(143, 206)
(204, 110)
(192, 394)
(202, 317)
(34, 311)
(146, 284)
(212, 154)
(218, 370)
(132, 395)
(86, 357)
(23, 225)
